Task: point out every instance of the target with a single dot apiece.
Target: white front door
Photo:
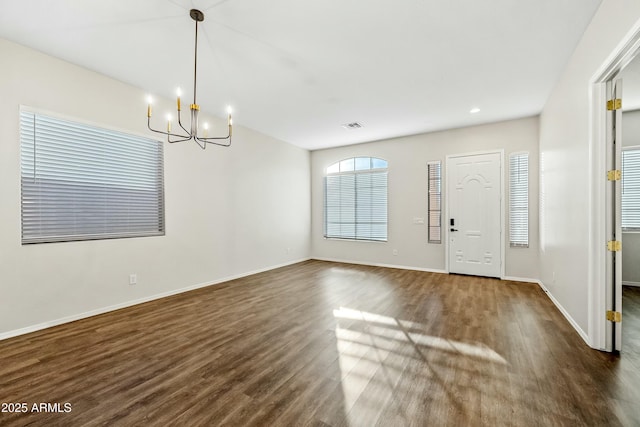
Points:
(474, 225)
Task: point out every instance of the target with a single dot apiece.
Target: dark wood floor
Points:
(325, 344)
(631, 327)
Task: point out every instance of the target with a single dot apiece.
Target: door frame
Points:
(600, 292)
(445, 183)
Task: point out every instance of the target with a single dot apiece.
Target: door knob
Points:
(454, 229)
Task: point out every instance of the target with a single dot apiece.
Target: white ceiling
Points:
(298, 69)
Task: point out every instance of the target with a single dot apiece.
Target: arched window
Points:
(355, 199)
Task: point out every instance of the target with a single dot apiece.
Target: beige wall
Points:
(631, 240)
(228, 211)
(407, 181)
(567, 210)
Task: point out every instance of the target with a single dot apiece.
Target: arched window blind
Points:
(355, 204)
(519, 200)
(631, 189)
(80, 182)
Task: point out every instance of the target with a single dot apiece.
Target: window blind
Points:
(631, 190)
(81, 182)
(519, 200)
(434, 173)
(356, 202)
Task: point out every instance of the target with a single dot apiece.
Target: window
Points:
(631, 189)
(355, 199)
(80, 182)
(434, 198)
(519, 200)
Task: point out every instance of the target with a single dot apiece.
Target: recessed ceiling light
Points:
(474, 110)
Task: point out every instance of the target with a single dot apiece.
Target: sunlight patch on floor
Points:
(398, 331)
(375, 350)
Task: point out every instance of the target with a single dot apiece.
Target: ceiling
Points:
(298, 70)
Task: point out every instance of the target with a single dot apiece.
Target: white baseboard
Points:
(566, 314)
(521, 279)
(374, 264)
(637, 284)
(102, 310)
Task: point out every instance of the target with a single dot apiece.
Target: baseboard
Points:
(566, 314)
(72, 318)
(374, 264)
(521, 279)
(636, 284)
(102, 310)
(429, 270)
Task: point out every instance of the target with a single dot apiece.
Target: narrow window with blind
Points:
(355, 199)
(434, 202)
(81, 182)
(631, 189)
(519, 200)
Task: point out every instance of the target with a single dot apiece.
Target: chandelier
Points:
(193, 132)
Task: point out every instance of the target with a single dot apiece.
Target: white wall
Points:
(228, 211)
(407, 181)
(630, 240)
(564, 170)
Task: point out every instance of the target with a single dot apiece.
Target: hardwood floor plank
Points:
(327, 344)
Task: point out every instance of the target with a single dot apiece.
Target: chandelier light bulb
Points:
(149, 102)
(179, 92)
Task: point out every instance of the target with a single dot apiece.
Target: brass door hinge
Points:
(614, 245)
(614, 104)
(614, 175)
(614, 316)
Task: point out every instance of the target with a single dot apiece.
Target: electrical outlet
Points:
(395, 252)
(133, 279)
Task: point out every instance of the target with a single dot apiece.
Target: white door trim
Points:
(598, 291)
(502, 206)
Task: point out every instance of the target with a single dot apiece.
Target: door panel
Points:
(474, 195)
(613, 216)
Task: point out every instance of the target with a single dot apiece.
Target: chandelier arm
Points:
(197, 141)
(180, 124)
(219, 144)
(168, 134)
(212, 138)
(184, 138)
(209, 141)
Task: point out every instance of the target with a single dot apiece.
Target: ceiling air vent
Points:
(352, 126)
